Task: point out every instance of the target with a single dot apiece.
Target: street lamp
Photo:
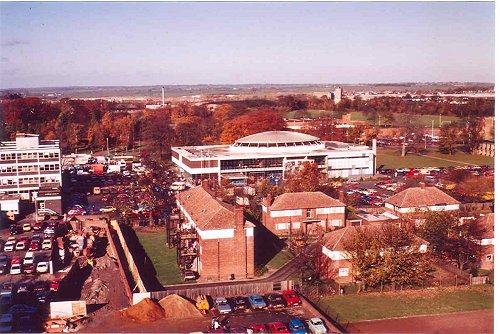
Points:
(107, 145)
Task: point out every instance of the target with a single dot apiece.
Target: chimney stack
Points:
(341, 195)
(163, 96)
(268, 200)
(239, 219)
(205, 185)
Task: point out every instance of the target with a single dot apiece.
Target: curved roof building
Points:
(274, 154)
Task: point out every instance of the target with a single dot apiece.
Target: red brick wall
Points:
(331, 270)
(270, 222)
(484, 263)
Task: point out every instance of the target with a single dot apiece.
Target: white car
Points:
(316, 326)
(107, 209)
(9, 246)
(46, 244)
(15, 269)
(21, 245)
(42, 267)
(29, 258)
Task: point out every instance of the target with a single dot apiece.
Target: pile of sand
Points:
(145, 310)
(177, 307)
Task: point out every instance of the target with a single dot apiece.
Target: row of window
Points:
(34, 169)
(28, 155)
(29, 180)
(300, 143)
(296, 225)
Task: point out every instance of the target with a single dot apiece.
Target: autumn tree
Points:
(251, 123)
(157, 133)
(386, 254)
(307, 178)
(451, 239)
(471, 133)
(448, 139)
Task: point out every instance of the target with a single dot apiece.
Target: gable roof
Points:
(304, 200)
(206, 211)
(334, 240)
(420, 197)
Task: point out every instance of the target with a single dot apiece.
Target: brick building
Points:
(487, 242)
(302, 213)
(225, 241)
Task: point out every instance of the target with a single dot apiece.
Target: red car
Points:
(291, 297)
(54, 285)
(15, 260)
(258, 328)
(278, 327)
(28, 269)
(34, 245)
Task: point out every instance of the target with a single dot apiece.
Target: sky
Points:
(61, 44)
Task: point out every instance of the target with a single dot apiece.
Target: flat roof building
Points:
(275, 154)
(28, 163)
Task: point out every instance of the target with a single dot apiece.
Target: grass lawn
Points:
(391, 158)
(408, 303)
(280, 259)
(424, 120)
(163, 258)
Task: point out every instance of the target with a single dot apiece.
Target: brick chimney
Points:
(341, 195)
(204, 184)
(267, 204)
(239, 219)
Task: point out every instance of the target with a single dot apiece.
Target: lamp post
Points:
(107, 145)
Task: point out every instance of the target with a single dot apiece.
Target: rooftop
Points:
(421, 197)
(277, 137)
(304, 200)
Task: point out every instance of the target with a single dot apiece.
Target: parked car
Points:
(316, 326)
(6, 288)
(23, 287)
(21, 245)
(54, 284)
(277, 327)
(4, 262)
(275, 300)
(28, 268)
(29, 258)
(16, 229)
(297, 326)
(291, 297)
(258, 328)
(240, 303)
(42, 267)
(34, 245)
(222, 305)
(38, 226)
(26, 227)
(46, 244)
(257, 302)
(9, 246)
(107, 209)
(6, 323)
(15, 269)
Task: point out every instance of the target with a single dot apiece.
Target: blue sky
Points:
(99, 44)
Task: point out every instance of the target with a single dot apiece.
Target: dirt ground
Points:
(457, 323)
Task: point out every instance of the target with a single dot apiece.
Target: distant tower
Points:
(337, 95)
(163, 96)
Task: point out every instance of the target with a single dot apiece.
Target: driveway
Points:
(457, 323)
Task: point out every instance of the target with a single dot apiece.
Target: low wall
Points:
(130, 259)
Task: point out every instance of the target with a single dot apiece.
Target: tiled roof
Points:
(334, 240)
(206, 211)
(304, 200)
(420, 197)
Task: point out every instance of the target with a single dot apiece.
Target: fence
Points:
(246, 288)
(130, 260)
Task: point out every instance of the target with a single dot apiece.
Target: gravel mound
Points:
(177, 307)
(145, 310)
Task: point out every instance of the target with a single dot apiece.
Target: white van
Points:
(29, 258)
(177, 186)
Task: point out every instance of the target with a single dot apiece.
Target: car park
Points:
(277, 327)
(275, 300)
(221, 305)
(291, 297)
(257, 302)
(297, 326)
(316, 326)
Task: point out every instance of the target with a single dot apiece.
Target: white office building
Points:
(27, 164)
(274, 154)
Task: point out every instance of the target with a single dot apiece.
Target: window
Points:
(335, 222)
(283, 226)
(308, 213)
(296, 225)
(343, 272)
(489, 257)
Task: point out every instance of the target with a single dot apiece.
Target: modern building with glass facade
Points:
(274, 154)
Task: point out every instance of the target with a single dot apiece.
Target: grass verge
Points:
(163, 258)
(280, 259)
(351, 308)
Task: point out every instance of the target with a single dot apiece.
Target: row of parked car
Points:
(272, 300)
(294, 326)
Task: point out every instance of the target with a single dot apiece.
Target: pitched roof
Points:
(304, 200)
(277, 137)
(206, 211)
(420, 197)
(334, 240)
